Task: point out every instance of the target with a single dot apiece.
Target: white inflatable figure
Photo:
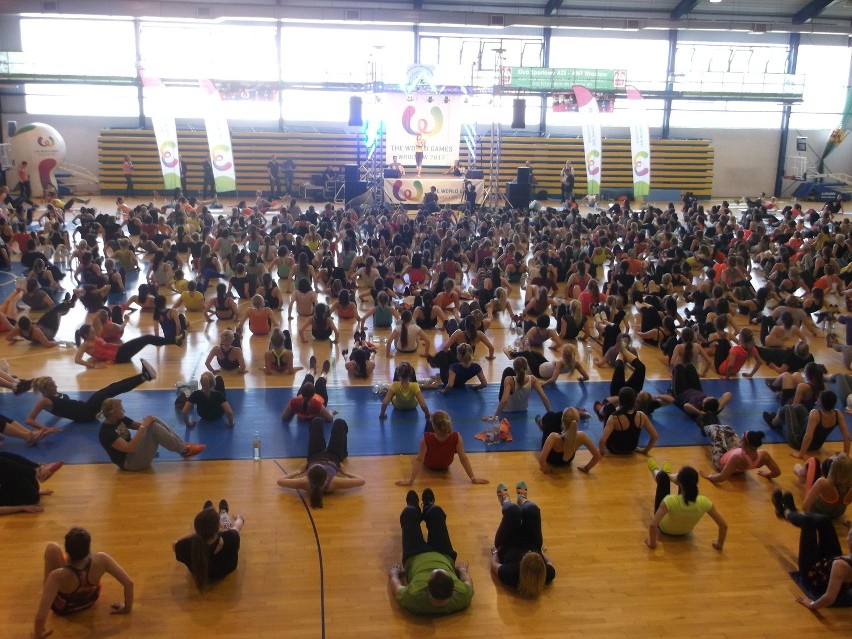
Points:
(43, 149)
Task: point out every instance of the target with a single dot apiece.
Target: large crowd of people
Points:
(714, 290)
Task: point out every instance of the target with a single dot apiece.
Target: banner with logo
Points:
(165, 132)
(640, 143)
(414, 124)
(410, 190)
(587, 104)
(218, 139)
(547, 79)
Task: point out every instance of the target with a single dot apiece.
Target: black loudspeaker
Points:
(354, 189)
(524, 175)
(475, 174)
(355, 111)
(518, 195)
(350, 172)
(11, 127)
(393, 173)
(519, 113)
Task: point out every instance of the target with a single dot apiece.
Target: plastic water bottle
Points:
(4, 366)
(256, 446)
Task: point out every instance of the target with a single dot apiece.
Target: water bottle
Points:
(255, 445)
(4, 366)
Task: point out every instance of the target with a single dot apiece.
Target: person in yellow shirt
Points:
(192, 299)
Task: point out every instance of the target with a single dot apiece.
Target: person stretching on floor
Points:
(229, 357)
(209, 400)
(212, 552)
(312, 397)
(430, 581)
(517, 557)
(823, 568)
(438, 447)
(622, 429)
(677, 515)
(732, 455)
(60, 405)
(102, 354)
(21, 481)
(560, 441)
(322, 472)
(828, 486)
(404, 392)
(138, 452)
(72, 580)
(515, 389)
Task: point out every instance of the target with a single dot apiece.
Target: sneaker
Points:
(521, 492)
(769, 418)
(148, 371)
(653, 466)
(23, 386)
(180, 339)
(789, 504)
(778, 502)
(666, 468)
(427, 497)
(223, 506)
(502, 492)
(770, 383)
(312, 363)
(411, 499)
(192, 450)
(326, 366)
(207, 504)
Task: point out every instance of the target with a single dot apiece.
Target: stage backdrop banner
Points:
(165, 131)
(411, 190)
(218, 139)
(640, 143)
(587, 104)
(437, 122)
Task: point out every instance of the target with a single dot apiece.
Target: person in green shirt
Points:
(430, 581)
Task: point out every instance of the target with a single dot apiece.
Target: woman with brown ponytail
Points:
(212, 552)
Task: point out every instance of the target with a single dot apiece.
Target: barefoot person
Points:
(72, 580)
(430, 581)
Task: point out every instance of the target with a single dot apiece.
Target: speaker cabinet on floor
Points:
(350, 173)
(354, 189)
(518, 195)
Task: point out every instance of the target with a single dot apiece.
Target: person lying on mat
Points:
(438, 447)
(824, 570)
(73, 579)
(517, 557)
(677, 515)
(137, 452)
(430, 580)
(622, 429)
(212, 551)
(404, 393)
(689, 396)
(732, 455)
(60, 405)
(322, 471)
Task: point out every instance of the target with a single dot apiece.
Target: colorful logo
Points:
(639, 167)
(168, 154)
(406, 195)
(46, 141)
(422, 123)
(592, 167)
(221, 155)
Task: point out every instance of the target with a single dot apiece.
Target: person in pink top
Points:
(732, 455)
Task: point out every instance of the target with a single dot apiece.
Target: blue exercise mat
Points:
(399, 433)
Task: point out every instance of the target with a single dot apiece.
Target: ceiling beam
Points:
(811, 11)
(418, 5)
(683, 7)
(551, 6)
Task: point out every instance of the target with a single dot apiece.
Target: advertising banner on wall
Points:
(640, 143)
(587, 104)
(218, 139)
(420, 124)
(165, 131)
(547, 79)
(411, 190)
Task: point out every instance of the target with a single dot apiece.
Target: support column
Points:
(792, 62)
(670, 69)
(280, 76)
(137, 37)
(542, 124)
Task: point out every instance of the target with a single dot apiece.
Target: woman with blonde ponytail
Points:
(515, 389)
(438, 447)
(558, 447)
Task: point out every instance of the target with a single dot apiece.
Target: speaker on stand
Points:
(519, 113)
(355, 118)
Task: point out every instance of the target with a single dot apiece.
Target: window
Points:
(80, 99)
(825, 91)
(721, 114)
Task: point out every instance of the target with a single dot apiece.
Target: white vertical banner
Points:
(218, 139)
(640, 143)
(435, 120)
(588, 105)
(165, 131)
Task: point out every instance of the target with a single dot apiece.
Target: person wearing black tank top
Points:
(623, 428)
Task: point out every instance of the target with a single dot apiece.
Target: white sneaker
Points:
(148, 370)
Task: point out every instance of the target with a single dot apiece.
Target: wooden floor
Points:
(608, 583)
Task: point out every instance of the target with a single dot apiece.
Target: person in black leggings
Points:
(691, 399)
(20, 478)
(45, 329)
(636, 381)
(78, 411)
(824, 570)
